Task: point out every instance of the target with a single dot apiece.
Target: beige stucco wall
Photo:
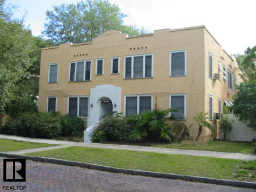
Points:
(195, 84)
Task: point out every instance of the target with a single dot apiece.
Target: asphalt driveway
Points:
(58, 178)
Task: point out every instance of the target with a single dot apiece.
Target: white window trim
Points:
(96, 70)
(170, 62)
(118, 65)
(78, 103)
(144, 65)
(49, 68)
(211, 96)
(210, 56)
(84, 61)
(56, 105)
(138, 102)
(219, 68)
(185, 103)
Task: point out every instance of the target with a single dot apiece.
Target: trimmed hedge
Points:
(43, 125)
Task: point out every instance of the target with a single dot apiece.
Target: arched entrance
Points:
(103, 99)
(106, 107)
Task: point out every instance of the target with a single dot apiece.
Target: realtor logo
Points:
(14, 170)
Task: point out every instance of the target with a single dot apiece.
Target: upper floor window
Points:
(219, 68)
(224, 72)
(178, 63)
(220, 105)
(115, 65)
(137, 104)
(230, 80)
(51, 104)
(78, 106)
(178, 102)
(139, 66)
(210, 66)
(211, 107)
(53, 73)
(80, 71)
(99, 66)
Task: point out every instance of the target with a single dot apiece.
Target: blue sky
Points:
(231, 22)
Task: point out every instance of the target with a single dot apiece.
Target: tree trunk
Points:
(199, 132)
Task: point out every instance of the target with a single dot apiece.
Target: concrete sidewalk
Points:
(238, 156)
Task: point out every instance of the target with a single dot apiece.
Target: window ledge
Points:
(115, 73)
(52, 82)
(177, 76)
(79, 81)
(138, 78)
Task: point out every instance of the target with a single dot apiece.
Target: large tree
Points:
(84, 21)
(247, 64)
(17, 46)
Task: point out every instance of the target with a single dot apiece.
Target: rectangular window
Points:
(177, 63)
(230, 80)
(51, 104)
(115, 65)
(220, 106)
(219, 69)
(99, 66)
(178, 102)
(78, 106)
(140, 66)
(128, 67)
(211, 107)
(80, 71)
(137, 104)
(53, 73)
(224, 72)
(148, 66)
(145, 104)
(210, 66)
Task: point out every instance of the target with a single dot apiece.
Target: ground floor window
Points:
(137, 104)
(51, 104)
(211, 107)
(178, 102)
(78, 106)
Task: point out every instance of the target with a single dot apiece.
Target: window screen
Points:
(210, 108)
(53, 73)
(83, 106)
(52, 104)
(178, 64)
(73, 106)
(88, 71)
(148, 66)
(115, 65)
(145, 104)
(138, 67)
(72, 71)
(131, 106)
(99, 67)
(80, 71)
(128, 67)
(177, 102)
(210, 67)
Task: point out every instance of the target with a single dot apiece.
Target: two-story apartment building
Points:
(184, 69)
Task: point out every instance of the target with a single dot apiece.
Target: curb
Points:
(134, 172)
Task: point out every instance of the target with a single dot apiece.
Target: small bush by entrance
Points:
(153, 126)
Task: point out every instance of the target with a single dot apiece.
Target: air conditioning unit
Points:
(216, 76)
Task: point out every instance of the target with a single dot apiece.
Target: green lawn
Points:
(222, 146)
(179, 164)
(12, 145)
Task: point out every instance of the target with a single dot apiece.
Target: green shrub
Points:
(112, 128)
(43, 125)
(225, 126)
(71, 126)
(146, 127)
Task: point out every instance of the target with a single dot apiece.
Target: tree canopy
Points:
(84, 21)
(247, 64)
